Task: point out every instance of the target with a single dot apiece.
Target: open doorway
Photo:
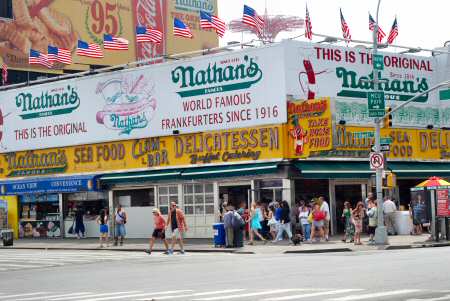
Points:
(349, 192)
(234, 195)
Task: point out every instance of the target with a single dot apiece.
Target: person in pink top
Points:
(158, 232)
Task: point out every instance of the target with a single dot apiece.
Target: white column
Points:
(216, 201)
(288, 191)
(111, 212)
(61, 216)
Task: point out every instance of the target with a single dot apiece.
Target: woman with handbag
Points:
(121, 219)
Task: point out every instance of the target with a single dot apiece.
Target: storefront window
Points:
(89, 202)
(198, 199)
(167, 194)
(135, 197)
(39, 215)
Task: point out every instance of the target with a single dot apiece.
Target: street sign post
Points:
(376, 104)
(386, 140)
(378, 62)
(376, 161)
(383, 148)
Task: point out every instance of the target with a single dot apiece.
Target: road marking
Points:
(198, 294)
(21, 295)
(252, 294)
(55, 296)
(137, 295)
(20, 265)
(95, 295)
(447, 297)
(295, 297)
(375, 295)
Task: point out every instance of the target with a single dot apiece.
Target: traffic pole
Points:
(381, 237)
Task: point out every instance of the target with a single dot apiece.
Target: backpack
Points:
(237, 221)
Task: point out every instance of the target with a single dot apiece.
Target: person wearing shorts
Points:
(159, 231)
(121, 219)
(102, 220)
(177, 223)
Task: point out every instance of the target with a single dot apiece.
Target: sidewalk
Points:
(206, 245)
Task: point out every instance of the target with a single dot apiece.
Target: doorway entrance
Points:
(234, 195)
(352, 193)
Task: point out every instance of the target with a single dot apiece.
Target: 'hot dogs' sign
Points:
(201, 94)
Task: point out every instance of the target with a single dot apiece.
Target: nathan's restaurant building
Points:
(198, 132)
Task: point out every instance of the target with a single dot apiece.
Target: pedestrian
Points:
(238, 225)
(389, 210)
(285, 222)
(372, 213)
(261, 214)
(272, 222)
(159, 231)
(178, 226)
(326, 222)
(102, 220)
(358, 216)
(317, 217)
(228, 224)
(306, 226)
(121, 219)
(369, 197)
(79, 223)
(255, 224)
(348, 222)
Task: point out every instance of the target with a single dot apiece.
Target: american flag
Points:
(251, 18)
(89, 50)
(381, 33)
(4, 73)
(308, 25)
(146, 34)
(394, 32)
(37, 58)
(180, 29)
(210, 21)
(60, 55)
(112, 43)
(345, 29)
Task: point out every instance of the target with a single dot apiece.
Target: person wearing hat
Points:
(159, 231)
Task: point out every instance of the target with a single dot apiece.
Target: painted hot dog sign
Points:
(345, 73)
(233, 90)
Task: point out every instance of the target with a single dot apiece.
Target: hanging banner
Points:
(344, 73)
(309, 128)
(202, 94)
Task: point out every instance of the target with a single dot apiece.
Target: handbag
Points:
(310, 218)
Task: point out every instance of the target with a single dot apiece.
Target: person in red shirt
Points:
(159, 231)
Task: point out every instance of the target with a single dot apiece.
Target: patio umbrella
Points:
(433, 182)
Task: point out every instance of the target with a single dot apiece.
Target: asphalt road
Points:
(420, 274)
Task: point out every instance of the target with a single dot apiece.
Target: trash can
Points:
(7, 237)
(238, 236)
(219, 235)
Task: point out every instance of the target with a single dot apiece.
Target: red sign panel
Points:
(150, 13)
(442, 203)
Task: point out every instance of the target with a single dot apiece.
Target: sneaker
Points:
(167, 252)
(148, 251)
(170, 252)
(182, 252)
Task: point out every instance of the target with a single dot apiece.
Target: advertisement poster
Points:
(318, 70)
(215, 147)
(442, 203)
(61, 23)
(309, 127)
(420, 207)
(202, 94)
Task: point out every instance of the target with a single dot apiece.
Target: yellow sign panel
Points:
(189, 13)
(61, 23)
(309, 127)
(252, 144)
(411, 144)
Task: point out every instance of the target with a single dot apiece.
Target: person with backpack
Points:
(228, 225)
(121, 219)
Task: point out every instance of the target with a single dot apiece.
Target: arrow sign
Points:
(383, 148)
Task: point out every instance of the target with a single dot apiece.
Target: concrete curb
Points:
(116, 249)
(334, 250)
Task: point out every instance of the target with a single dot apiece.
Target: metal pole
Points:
(381, 237)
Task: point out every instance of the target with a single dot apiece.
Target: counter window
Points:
(135, 197)
(198, 199)
(167, 194)
(39, 215)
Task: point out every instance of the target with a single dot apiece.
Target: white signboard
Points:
(233, 90)
(345, 73)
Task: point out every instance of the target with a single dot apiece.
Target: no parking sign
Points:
(376, 160)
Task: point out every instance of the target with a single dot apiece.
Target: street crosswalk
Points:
(11, 260)
(331, 294)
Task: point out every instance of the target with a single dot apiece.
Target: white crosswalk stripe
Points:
(54, 296)
(150, 296)
(376, 295)
(4, 297)
(122, 294)
(303, 296)
(446, 297)
(260, 293)
(197, 294)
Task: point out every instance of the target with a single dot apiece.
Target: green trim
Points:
(419, 169)
(334, 169)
